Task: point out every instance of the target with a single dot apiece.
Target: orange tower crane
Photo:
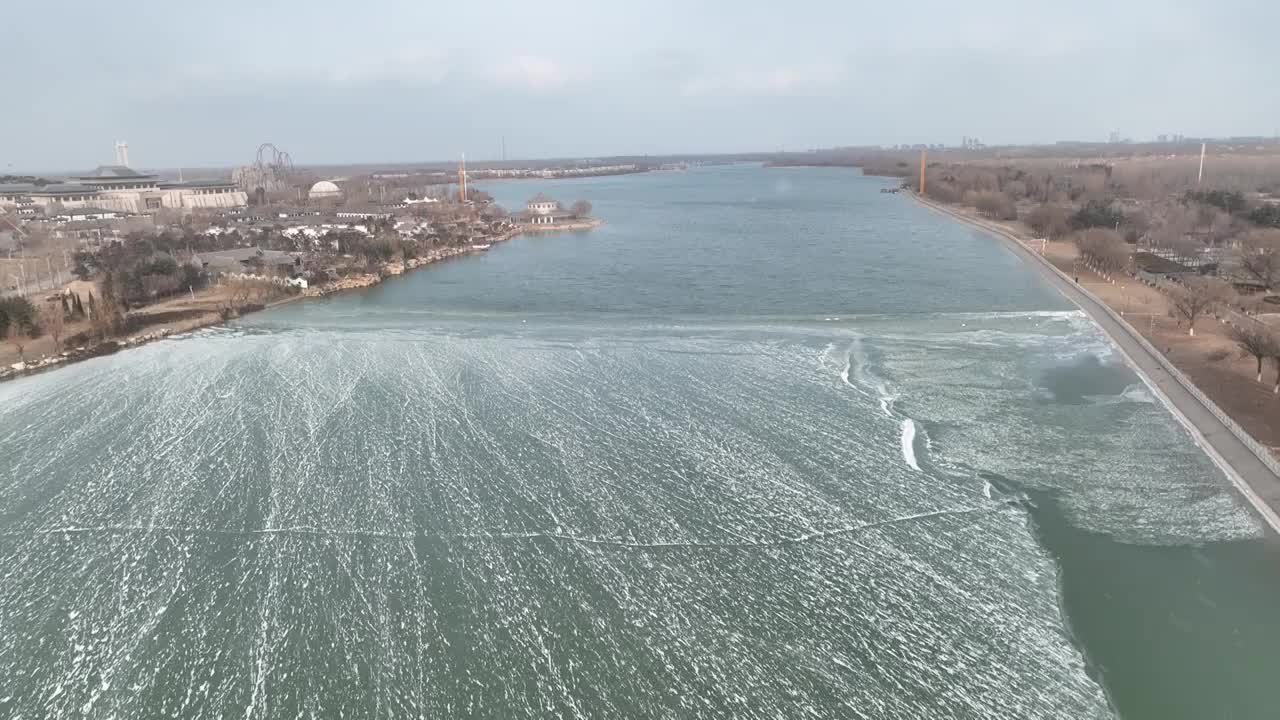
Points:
(462, 179)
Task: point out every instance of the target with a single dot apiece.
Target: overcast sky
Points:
(202, 84)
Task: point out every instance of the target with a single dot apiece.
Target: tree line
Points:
(22, 320)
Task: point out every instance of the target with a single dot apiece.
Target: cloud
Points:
(336, 71)
(410, 66)
(777, 81)
(555, 79)
(534, 73)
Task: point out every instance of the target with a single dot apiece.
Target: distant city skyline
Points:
(394, 81)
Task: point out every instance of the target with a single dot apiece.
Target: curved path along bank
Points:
(1251, 471)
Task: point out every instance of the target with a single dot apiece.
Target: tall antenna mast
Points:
(1200, 176)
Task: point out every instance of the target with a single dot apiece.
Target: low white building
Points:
(54, 195)
(85, 213)
(125, 190)
(541, 205)
(542, 210)
(362, 215)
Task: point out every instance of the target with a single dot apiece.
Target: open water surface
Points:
(768, 444)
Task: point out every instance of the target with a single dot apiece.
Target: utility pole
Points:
(922, 155)
(1200, 176)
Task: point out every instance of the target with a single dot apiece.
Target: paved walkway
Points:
(1259, 485)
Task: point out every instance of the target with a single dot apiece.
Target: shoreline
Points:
(1251, 475)
(571, 226)
(213, 319)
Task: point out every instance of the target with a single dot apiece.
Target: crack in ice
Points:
(566, 537)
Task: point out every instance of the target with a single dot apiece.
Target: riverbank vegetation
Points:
(184, 276)
(1157, 212)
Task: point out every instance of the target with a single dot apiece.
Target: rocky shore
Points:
(578, 224)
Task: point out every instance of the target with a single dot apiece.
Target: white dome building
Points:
(324, 190)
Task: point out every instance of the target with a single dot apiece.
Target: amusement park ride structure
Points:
(271, 172)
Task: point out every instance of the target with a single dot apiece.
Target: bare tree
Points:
(1223, 227)
(106, 317)
(156, 285)
(18, 338)
(1095, 186)
(53, 320)
(1195, 298)
(1139, 221)
(1104, 248)
(1115, 255)
(238, 292)
(1205, 216)
(1050, 221)
(1260, 256)
(581, 208)
(1258, 344)
(1170, 224)
(995, 205)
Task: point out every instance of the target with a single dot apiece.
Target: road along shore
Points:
(1247, 463)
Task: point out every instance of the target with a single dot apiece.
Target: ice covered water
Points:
(574, 478)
